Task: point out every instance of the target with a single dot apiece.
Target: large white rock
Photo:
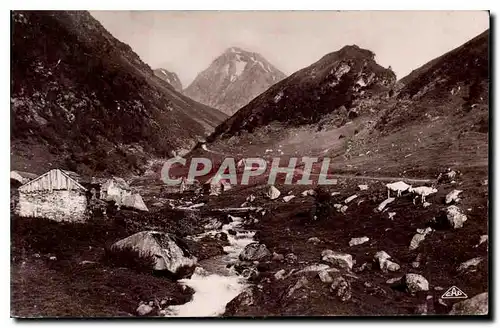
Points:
(455, 217)
(453, 196)
(350, 198)
(342, 260)
(170, 253)
(358, 241)
(286, 199)
(273, 193)
(477, 305)
(416, 283)
(385, 263)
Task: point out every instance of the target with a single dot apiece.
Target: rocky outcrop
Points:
(169, 77)
(169, 252)
(255, 252)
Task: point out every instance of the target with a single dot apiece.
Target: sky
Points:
(186, 42)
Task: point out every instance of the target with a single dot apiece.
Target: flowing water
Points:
(217, 286)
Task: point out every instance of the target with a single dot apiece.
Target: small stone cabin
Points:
(53, 195)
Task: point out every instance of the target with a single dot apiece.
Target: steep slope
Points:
(169, 77)
(82, 100)
(233, 79)
(438, 119)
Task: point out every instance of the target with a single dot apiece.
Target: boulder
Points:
(342, 288)
(144, 309)
(453, 217)
(470, 263)
(358, 241)
(385, 263)
(273, 193)
(309, 192)
(315, 268)
(314, 240)
(286, 199)
(382, 205)
(477, 305)
(301, 282)
(255, 252)
(171, 254)
(418, 238)
(415, 283)
(341, 260)
(250, 198)
(452, 196)
(350, 198)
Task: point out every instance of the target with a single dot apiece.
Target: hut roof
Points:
(55, 179)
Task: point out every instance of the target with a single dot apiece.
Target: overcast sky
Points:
(187, 42)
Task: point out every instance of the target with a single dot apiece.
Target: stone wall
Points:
(58, 205)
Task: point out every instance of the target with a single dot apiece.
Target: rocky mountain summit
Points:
(233, 79)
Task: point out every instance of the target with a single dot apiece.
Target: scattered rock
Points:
(273, 193)
(392, 281)
(280, 275)
(482, 239)
(144, 309)
(358, 241)
(302, 282)
(342, 288)
(363, 267)
(416, 283)
(368, 284)
(391, 215)
(426, 204)
(53, 258)
(384, 263)
(291, 258)
(277, 257)
(477, 305)
(382, 205)
(453, 196)
(245, 298)
(350, 198)
(343, 209)
(342, 260)
(254, 252)
(314, 240)
(250, 198)
(418, 238)
(286, 199)
(325, 277)
(470, 263)
(363, 187)
(453, 217)
(309, 192)
(438, 288)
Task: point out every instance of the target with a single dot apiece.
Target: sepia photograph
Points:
(249, 164)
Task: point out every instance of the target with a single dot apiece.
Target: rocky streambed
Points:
(215, 281)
